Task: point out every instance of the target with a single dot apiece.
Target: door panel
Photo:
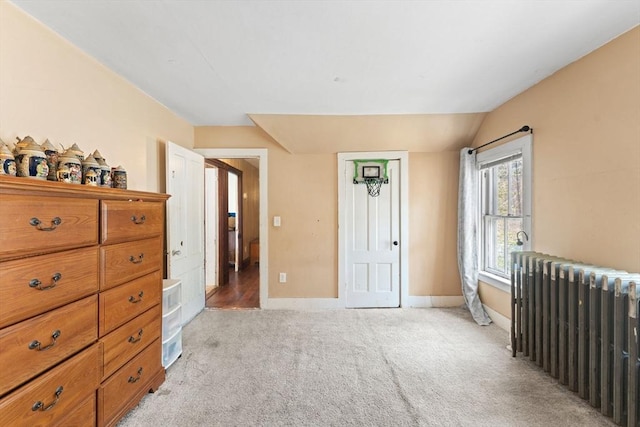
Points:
(185, 233)
(211, 221)
(372, 258)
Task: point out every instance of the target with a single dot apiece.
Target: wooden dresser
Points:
(80, 302)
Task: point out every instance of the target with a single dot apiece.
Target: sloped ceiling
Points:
(307, 134)
(219, 63)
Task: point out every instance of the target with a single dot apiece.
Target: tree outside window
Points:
(502, 213)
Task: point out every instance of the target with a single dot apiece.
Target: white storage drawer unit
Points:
(171, 321)
(171, 349)
(171, 295)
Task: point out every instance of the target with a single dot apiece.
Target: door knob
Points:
(174, 252)
(395, 243)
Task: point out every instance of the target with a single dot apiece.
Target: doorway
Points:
(373, 231)
(236, 224)
(261, 155)
(229, 198)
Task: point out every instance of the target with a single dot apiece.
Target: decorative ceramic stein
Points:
(21, 144)
(32, 162)
(52, 159)
(63, 173)
(7, 161)
(90, 164)
(105, 173)
(119, 177)
(90, 177)
(76, 151)
(97, 156)
(105, 170)
(71, 162)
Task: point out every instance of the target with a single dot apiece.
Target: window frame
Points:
(520, 146)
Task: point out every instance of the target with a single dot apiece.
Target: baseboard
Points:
(302, 304)
(501, 321)
(335, 303)
(434, 301)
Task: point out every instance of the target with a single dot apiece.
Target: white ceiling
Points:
(214, 62)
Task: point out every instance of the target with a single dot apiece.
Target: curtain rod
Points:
(524, 128)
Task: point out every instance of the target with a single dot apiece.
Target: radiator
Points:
(579, 323)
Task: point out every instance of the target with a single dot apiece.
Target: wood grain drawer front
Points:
(85, 414)
(130, 220)
(32, 225)
(39, 284)
(33, 346)
(132, 379)
(130, 339)
(53, 396)
(121, 304)
(127, 261)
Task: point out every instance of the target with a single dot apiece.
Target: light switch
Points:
(276, 221)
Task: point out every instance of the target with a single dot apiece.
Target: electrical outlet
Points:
(276, 221)
(283, 277)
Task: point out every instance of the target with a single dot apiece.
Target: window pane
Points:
(495, 246)
(515, 190)
(513, 226)
(501, 196)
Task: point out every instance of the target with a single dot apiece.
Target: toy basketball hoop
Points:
(372, 173)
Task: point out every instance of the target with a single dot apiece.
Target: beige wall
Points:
(303, 192)
(433, 215)
(50, 89)
(586, 158)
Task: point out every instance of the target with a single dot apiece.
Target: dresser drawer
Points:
(133, 379)
(130, 220)
(85, 414)
(125, 261)
(60, 333)
(73, 382)
(36, 285)
(121, 304)
(129, 339)
(32, 225)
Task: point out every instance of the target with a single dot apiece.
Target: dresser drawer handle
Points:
(39, 406)
(133, 299)
(37, 345)
(37, 284)
(136, 379)
(137, 220)
(133, 339)
(38, 224)
(136, 260)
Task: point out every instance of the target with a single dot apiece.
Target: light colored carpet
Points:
(395, 367)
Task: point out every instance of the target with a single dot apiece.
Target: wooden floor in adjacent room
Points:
(242, 291)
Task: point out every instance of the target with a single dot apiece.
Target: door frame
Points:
(261, 155)
(223, 212)
(343, 180)
(211, 227)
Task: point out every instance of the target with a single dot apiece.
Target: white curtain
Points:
(468, 235)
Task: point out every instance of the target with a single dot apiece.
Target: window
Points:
(505, 204)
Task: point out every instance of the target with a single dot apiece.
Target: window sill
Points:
(495, 281)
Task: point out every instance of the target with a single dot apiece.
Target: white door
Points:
(185, 226)
(211, 224)
(372, 255)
